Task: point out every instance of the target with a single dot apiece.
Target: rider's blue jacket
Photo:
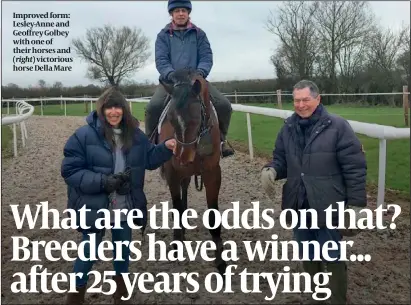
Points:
(182, 49)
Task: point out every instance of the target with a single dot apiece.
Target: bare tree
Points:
(42, 83)
(383, 55)
(351, 61)
(12, 86)
(403, 60)
(341, 25)
(113, 53)
(385, 47)
(283, 70)
(294, 26)
(58, 85)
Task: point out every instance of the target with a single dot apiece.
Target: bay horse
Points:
(191, 120)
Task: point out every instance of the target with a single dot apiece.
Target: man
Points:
(322, 159)
(181, 44)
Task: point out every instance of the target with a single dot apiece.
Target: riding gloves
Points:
(201, 73)
(170, 76)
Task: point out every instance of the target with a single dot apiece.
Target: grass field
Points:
(264, 131)
(6, 141)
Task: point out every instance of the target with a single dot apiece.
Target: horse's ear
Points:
(196, 88)
(167, 86)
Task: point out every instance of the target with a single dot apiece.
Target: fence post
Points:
(382, 161)
(235, 97)
(15, 139)
(65, 105)
(23, 139)
(405, 104)
(41, 105)
(85, 105)
(280, 104)
(250, 137)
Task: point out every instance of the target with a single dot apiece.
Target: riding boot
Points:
(338, 282)
(78, 297)
(226, 149)
(121, 291)
(150, 123)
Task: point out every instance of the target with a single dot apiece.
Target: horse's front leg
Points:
(184, 201)
(212, 183)
(175, 192)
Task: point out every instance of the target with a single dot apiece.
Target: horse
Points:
(190, 118)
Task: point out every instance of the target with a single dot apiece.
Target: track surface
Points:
(34, 176)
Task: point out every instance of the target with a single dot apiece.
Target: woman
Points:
(104, 166)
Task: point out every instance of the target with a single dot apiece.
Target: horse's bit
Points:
(204, 129)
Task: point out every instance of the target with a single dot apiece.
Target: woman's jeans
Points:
(123, 234)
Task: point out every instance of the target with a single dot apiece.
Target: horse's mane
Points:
(183, 79)
(183, 76)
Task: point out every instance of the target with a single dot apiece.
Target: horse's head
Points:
(185, 112)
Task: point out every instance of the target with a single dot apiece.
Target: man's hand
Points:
(268, 175)
(200, 73)
(170, 77)
(347, 231)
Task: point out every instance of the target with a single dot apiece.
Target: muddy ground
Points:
(34, 176)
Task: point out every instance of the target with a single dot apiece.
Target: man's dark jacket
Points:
(324, 167)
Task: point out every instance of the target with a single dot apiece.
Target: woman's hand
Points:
(171, 144)
(111, 183)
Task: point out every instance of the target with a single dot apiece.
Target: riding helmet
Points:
(172, 4)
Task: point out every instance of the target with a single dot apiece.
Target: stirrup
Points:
(231, 153)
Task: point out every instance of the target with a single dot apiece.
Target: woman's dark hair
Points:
(112, 97)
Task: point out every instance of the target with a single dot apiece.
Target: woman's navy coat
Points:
(87, 157)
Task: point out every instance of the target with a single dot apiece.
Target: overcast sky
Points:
(240, 43)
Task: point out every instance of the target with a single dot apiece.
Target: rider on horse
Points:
(180, 44)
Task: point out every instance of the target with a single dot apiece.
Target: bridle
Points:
(205, 126)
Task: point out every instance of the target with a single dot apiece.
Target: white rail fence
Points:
(23, 112)
(380, 132)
